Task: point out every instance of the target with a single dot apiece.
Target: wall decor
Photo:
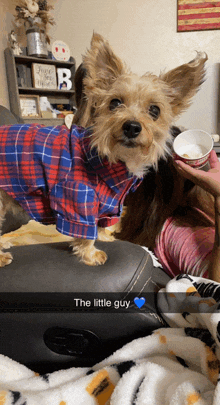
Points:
(34, 14)
(36, 42)
(60, 51)
(198, 15)
(21, 71)
(44, 76)
(69, 120)
(64, 81)
(30, 106)
(13, 43)
(24, 78)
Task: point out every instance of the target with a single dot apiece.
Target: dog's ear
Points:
(184, 82)
(101, 64)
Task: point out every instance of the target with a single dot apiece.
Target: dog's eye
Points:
(154, 111)
(114, 103)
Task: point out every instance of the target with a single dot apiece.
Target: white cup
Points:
(193, 147)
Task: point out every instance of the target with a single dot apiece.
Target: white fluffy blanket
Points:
(173, 366)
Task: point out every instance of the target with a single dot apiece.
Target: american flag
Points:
(197, 15)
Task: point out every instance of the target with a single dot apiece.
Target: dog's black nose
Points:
(131, 129)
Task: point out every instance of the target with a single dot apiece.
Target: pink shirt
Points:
(182, 249)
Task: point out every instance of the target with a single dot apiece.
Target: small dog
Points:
(80, 178)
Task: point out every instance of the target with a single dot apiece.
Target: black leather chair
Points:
(39, 325)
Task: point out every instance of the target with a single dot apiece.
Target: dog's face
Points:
(131, 115)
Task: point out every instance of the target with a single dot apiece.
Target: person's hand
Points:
(209, 181)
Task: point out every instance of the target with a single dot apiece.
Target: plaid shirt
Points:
(57, 178)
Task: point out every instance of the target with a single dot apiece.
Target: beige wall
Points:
(6, 11)
(143, 33)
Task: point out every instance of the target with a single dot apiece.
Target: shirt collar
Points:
(115, 175)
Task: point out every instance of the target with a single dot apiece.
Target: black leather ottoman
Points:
(40, 325)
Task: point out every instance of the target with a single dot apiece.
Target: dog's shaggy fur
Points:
(107, 79)
(130, 116)
(163, 193)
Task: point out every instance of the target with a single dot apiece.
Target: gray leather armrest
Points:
(7, 118)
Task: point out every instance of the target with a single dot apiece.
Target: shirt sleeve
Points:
(105, 222)
(76, 208)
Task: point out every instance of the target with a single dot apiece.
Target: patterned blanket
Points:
(173, 366)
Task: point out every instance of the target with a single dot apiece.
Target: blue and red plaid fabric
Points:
(57, 178)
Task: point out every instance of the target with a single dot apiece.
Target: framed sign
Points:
(44, 76)
(198, 15)
(30, 106)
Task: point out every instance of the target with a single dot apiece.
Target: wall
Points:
(6, 11)
(143, 33)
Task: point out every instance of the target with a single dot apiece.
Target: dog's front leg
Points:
(85, 250)
(105, 235)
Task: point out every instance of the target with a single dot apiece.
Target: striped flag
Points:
(198, 15)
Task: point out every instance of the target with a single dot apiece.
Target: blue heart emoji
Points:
(139, 301)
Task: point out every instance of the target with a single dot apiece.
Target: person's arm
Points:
(210, 181)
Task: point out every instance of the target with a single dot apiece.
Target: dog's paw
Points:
(6, 245)
(5, 258)
(98, 257)
(87, 253)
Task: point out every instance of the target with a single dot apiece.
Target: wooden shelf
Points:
(23, 59)
(45, 121)
(55, 96)
(32, 90)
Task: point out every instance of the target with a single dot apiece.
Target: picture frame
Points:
(44, 76)
(197, 15)
(30, 106)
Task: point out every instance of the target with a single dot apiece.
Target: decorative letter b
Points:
(64, 81)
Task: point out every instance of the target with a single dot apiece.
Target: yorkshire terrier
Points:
(79, 179)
